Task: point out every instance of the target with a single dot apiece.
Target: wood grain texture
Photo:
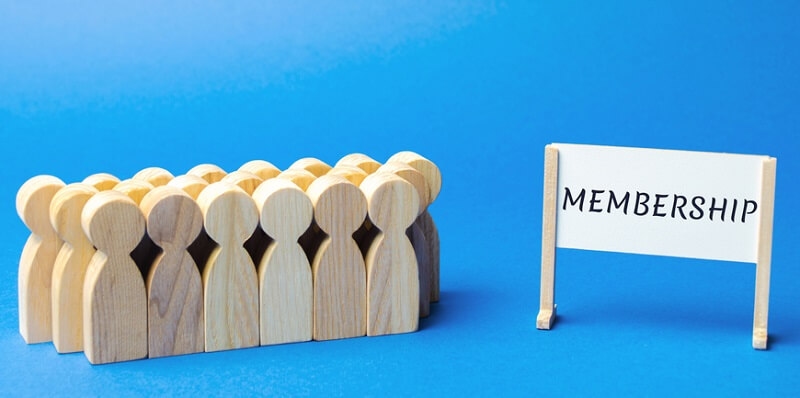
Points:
(156, 176)
(101, 181)
(245, 180)
(415, 232)
(764, 264)
(70, 266)
(230, 283)
(261, 168)
(392, 270)
(338, 267)
(209, 172)
(146, 251)
(547, 307)
(38, 257)
(301, 178)
(351, 173)
(191, 184)
(114, 298)
(360, 160)
(313, 165)
(433, 177)
(174, 286)
(284, 273)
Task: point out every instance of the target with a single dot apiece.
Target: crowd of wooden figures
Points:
(159, 265)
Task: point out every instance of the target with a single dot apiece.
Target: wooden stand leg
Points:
(547, 308)
(764, 255)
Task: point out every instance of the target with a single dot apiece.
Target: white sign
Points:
(660, 202)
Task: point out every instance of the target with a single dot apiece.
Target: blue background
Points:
(479, 87)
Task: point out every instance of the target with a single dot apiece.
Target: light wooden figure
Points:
(134, 189)
(38, 256)
(433, 177)
(415, 232)
(338, 267)
(392, 270)
(351, 173)
(155, 176)
(284, 273)
(313, 165)
(70, 266)
(101, 181)
(209, 172)
(301, 178)
(174, 286)
(230, 283)
(114, 298)
(261, 168)
(361, 161)
(245, 180)
(191, 184)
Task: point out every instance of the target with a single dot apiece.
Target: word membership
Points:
(660, 205)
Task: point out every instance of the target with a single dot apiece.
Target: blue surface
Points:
(478, 87)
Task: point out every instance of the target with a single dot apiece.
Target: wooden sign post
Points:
(711, 206)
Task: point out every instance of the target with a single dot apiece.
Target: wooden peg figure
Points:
(174, 286)
(245, 180)
(209, 172)
(415, 232)
(230, 283)
(284, 273)
(37, 259)
(433, 176)
(350, 173)
(134, 189)
(145, 253)
(261, 168)
(70, 266)
(101, 181)
(156, 176)
(114, 298)
(363, 162)
(392, 270)
(313, 165)
(338, 268)
(191, 184)
(301, 178)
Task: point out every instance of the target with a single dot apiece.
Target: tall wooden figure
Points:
(174, 287)
(230, 283)
(392, 270)
(284, 274)
(338, 268)
(114, 299)
(70, 267)
(38, 257)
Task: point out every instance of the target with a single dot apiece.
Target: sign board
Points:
(659, 202)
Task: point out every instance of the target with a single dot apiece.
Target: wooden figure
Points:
(433, 177)
(284, 274)
(70, 266)
(301, 178)
(191, 184)
(156, 176)
(261, 168)
(209, 172)
(350, 173)
(313, 165)
(392, 270)
(338, 267)
(174, 286)
(230, 283)
(38, 257)
(114, 299)
(134, 189)
(101, 181)
(361, 161)
(415, 232)
(245, 180)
